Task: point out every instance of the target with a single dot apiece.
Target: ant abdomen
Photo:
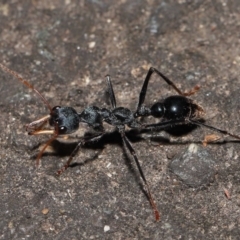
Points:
(65, 119)
(174, 107)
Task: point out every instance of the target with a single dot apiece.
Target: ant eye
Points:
(62, 130)
(56, 108)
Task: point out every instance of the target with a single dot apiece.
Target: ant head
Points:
(64, 119)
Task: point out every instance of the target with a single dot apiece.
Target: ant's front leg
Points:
(55, 135)
(54, 132)
(80, 144)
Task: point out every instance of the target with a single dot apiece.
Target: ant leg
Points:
(163, 125)
(167, 80)
(133, 153)
(44, 148)
(81, 142)
(111, 92)
(224, 132)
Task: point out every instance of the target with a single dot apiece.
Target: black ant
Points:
(174, 110)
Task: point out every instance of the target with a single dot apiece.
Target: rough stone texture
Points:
(194, 166)
(65, 48)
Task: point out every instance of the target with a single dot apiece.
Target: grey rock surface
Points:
(194, 166)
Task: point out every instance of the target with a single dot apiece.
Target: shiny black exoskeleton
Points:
(173, 107)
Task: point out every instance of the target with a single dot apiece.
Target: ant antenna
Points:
(26, 83)
(40, 123)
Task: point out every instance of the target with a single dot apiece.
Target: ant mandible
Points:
(173, 110)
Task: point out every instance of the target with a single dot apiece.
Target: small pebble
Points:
(194, 166)
(106, 228)
(45, 211)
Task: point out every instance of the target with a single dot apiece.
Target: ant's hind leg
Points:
(224, 132)
(80, 143)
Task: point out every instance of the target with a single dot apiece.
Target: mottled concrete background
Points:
(65, 49)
